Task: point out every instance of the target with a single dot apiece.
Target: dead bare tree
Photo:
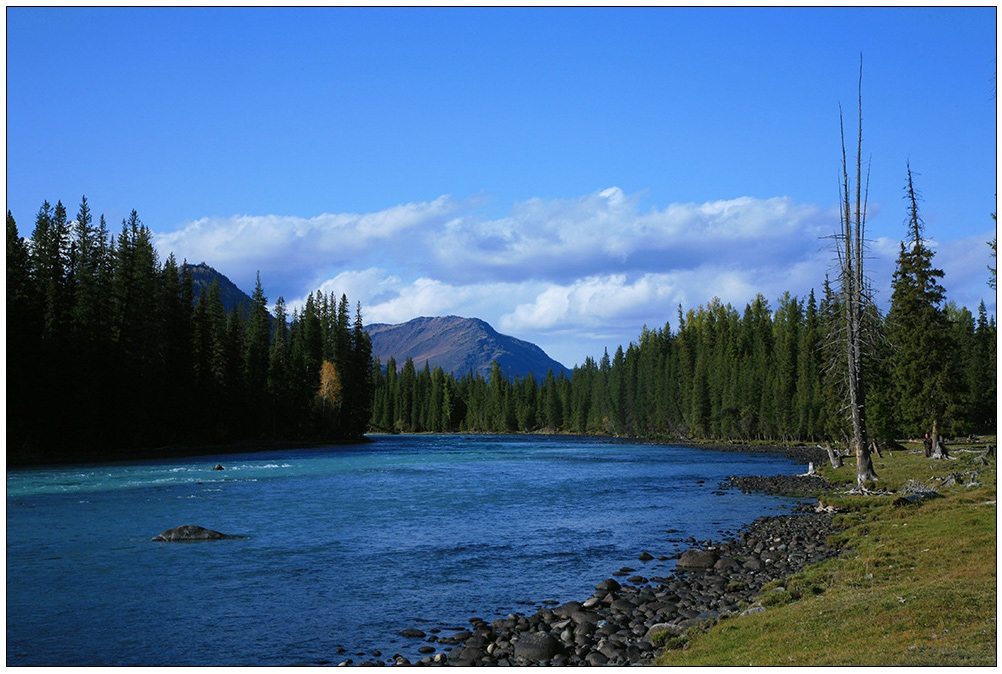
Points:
(856, 295)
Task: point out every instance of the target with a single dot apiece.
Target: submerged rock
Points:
(190, 532)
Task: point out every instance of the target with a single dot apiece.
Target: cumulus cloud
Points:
(572, 275)
(304, 250)
(561, 240)
(965, 267)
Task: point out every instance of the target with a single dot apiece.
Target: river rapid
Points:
(345, 546)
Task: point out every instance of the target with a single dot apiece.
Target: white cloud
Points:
(965, 267)
(303, 249)
(562, 240)
(572, 275)
(368, 286)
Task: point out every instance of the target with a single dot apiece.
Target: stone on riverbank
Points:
(697, 559)
(789, 485)
(608, 585)
(537, 647)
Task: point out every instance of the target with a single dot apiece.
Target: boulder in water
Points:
(190, 532)
(218, 466)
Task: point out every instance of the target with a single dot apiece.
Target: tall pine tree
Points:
(919, 332)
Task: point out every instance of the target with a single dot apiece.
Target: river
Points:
(345, 546)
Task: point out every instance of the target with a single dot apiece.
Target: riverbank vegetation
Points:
(916, 583)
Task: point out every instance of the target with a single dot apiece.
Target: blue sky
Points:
(568, 175)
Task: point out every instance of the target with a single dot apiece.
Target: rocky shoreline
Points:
(630, 617)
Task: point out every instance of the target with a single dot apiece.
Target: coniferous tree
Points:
(135, 285)
(50, 252)
(787, 322)
(405, 404)
(919, 333)
(984, 382)
(23, 337)
(257, 357)
(809, 380)
(174, 374)
(361, 377)
(390, 413)
(91, 271)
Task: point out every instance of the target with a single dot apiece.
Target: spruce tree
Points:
(919, 332)
(279, 389)
(984, 387)
(361, 377)
(257, 345)
(23, 336)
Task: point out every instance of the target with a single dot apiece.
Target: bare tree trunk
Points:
(836, 459)
(939, 450)
(875, 447)
(854, 299)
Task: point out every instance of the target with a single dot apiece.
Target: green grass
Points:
(915, 585)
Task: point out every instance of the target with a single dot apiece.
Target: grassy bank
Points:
(916, 584)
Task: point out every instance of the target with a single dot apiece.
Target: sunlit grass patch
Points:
(915, 584)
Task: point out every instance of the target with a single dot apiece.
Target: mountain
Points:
(232, 296)
(459, 345)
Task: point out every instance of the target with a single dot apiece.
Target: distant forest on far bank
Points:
(110, 351)
(759, 374)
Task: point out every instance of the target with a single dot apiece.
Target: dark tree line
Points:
(110, 351)
(758, 374)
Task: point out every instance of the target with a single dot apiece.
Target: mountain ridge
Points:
(232, 296)
(459, 346)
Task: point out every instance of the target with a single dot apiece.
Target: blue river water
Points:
(345, 546)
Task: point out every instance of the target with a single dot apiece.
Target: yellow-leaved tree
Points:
(329, 393)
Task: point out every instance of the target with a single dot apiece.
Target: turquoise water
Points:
(345, 546)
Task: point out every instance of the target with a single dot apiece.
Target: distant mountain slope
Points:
(232, 296)
(459, 345)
